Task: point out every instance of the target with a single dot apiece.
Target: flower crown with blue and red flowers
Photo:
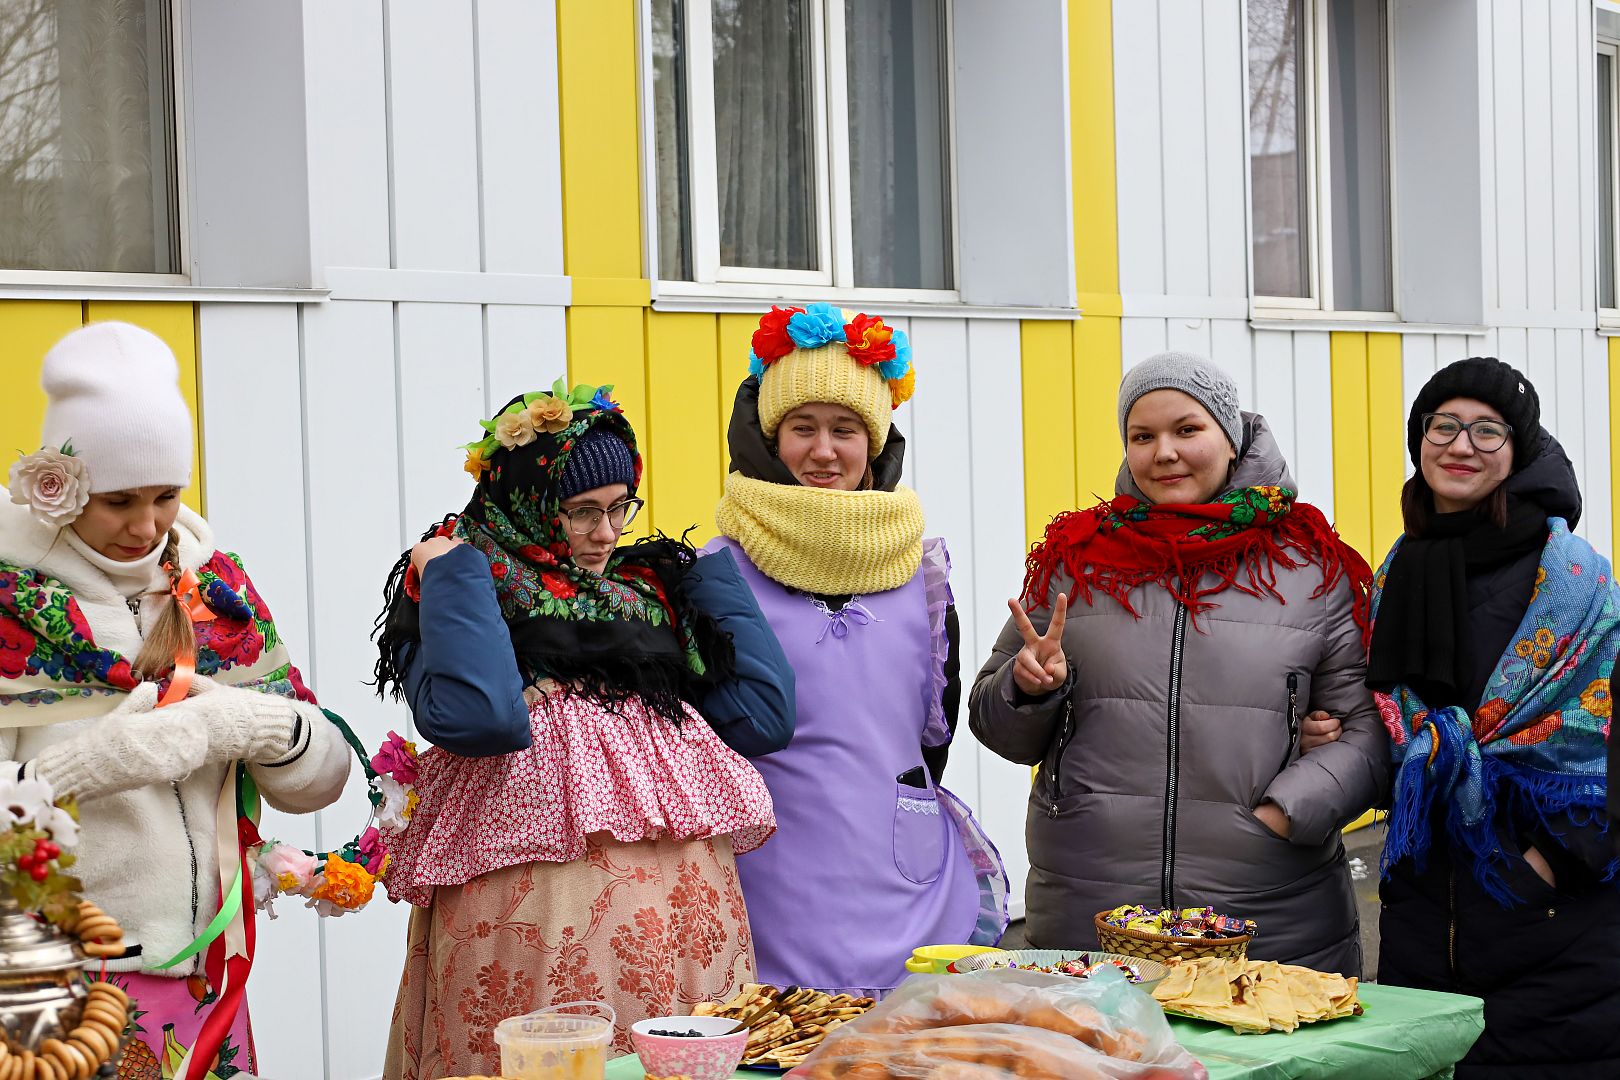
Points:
(866, 338)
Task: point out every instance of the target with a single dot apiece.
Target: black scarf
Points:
(1422, 635)
(627, 632)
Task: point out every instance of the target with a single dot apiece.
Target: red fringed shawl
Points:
(1194, 551)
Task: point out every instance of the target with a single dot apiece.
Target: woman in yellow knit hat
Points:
(872, 857)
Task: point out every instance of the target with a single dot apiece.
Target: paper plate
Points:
(1151, 971)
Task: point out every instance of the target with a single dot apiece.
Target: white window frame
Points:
(1609, 317)
(96, 279)
(1314, 112)
(835, 281)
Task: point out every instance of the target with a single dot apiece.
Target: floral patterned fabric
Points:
(650, 928)
(589, 769)
(48, 654)
(1538, 741)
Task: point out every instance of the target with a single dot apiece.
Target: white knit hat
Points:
(114, 394)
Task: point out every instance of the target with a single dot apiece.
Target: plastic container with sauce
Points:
(561, 1042)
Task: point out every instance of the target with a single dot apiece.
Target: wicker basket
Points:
(1165, 949)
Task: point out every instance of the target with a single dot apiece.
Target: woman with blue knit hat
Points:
(873, 857)
(579, 819)
(1494, 643)
(1168, 651)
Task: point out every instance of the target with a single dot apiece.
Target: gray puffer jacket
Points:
(1166, 737)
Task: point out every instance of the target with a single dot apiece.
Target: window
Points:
(1319, 159)
(1608, 157)
(803, 142)
(87, 162)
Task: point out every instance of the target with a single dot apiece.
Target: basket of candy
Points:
(1168, 934)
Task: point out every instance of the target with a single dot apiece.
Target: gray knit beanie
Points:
(1192, 375)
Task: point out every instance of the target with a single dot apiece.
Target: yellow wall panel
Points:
(736, 332)
(683, 388)
(1386, 435)
(1352, 486)
(607, 345)
(1049, 430)
(1091, 137)
(1097, 370)
(601, 172)
(27, 329)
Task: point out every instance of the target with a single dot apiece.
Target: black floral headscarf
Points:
(627, 632)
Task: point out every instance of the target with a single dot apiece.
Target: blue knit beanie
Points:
(598, 459)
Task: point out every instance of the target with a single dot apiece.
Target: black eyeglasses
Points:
(1487, 436)
(583, 520)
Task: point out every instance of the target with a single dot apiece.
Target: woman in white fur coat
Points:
(96, 551)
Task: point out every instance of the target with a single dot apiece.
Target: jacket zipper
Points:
(1057, 758)
(185, 826)
(1451, 924)
(1293, 718)
(1167, 880)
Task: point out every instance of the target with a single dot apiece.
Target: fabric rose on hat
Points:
(51, 483)
(514, 429)
(550, 414)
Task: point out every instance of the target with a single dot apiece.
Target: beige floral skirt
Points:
(650, 928)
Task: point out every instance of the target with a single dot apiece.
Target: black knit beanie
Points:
(599, 458)
(1487, 379)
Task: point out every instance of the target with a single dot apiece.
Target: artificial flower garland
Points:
(868, 340)
(341, 880)
(534, 412)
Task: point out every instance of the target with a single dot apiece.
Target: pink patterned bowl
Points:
(712, 1056)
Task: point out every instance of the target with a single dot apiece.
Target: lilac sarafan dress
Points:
(864, 868)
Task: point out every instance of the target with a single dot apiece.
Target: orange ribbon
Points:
(188, 594)
(1434, 746)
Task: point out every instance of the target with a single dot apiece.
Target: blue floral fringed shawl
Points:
(1538, 739)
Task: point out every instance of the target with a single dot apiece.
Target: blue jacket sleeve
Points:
(753, 713)
(462, 681)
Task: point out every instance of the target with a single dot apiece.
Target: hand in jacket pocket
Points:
(1271, 816)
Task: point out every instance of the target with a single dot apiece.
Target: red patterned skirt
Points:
(650, 928)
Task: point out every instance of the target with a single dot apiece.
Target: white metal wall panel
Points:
(1584, 75)
(1274, 388)
(996, 471)
(441, 395)
(1138, 149)
(1225, 118)
(354, 526)
(1597, 519)
(1568, 161)
(1536, 122)
(1312, 457)
(1182, 148)
(250, 382)
(525, 348)
(1231, 348)
(1508, 93)
(521, 172)
(348, 131)
(1140, 338)
(433, 135)
(1568, 424)
(1187, 335)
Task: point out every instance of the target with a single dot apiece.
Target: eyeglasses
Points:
(583, 520)
(1442, 429)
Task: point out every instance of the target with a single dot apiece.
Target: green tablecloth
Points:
(1404, 1035)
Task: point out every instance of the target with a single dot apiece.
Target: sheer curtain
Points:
(898, 146)
(764, 144)
(86, 136)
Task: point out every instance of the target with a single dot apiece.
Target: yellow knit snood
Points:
(834, 543)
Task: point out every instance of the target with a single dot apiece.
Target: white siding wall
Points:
(331, 428)
(1180, 121)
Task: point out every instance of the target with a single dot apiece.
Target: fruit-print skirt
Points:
(651, 928)
(168, 1013)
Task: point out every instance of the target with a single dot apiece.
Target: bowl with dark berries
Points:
(699, 1047)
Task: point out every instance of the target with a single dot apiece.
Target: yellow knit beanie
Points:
(804, 355)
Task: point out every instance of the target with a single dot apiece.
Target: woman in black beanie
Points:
(1495, 633)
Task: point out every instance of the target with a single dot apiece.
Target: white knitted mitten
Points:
(129, 748)
(245, 725)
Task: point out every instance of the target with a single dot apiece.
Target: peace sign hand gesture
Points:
(1040, 666)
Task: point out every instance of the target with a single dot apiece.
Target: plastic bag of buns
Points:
(994, 1025)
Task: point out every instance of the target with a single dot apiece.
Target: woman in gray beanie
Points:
(1168, 648)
